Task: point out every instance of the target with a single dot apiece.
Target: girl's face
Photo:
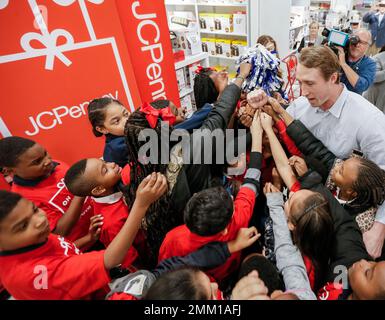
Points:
(270, 46)
(367, 279)
(295, 198)
(345, 174)
(115, 120)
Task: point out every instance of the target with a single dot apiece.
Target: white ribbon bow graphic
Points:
(69, 2)
(3, 3)
(50, 42)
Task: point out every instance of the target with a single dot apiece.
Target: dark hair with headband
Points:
(314, 233)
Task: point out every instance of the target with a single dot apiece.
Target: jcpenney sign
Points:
(147, 36)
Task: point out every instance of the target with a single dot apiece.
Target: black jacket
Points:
(192, 177)
(348, 245)
(317, 156)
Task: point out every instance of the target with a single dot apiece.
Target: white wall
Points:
(271, 17)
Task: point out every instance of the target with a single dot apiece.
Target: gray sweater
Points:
(289, 259)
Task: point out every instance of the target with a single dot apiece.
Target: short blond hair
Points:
(322, 58)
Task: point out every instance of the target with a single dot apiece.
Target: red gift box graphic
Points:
(51, 80)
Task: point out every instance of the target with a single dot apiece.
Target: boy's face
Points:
(34, 163)
(103, 174)
(367, 279)
(115, 120)
(25, 225)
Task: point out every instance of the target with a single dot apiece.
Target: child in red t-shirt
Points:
(35, 264)
(211, 215)
(100, 179)
(40, 179)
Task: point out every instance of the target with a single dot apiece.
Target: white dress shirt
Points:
(351, 123)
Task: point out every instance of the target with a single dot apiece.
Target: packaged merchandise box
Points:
(223, 47)
(181, 79)
(239, 22)
(238, 47)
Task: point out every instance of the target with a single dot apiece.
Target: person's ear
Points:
(291, 226)
(98, 191)
(102, 130)
(225, 231)
(334, 78)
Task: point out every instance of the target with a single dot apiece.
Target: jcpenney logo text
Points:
(49, 119)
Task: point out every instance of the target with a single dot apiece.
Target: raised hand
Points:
(245, 238)
(96, 223)
(257, 98)
(269, 188)
(151, 189)
(250, 287)
(266, 121)
(299, 165)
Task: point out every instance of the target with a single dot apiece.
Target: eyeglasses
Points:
(364, 43)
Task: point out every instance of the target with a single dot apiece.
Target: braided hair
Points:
(160, 217)
(369, 185)
(204, 88)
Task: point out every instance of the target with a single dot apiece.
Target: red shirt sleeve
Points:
(244, 206)
(295, 187)
(280, 125)
(81, 275)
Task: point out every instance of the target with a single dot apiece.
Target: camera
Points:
(340, 38)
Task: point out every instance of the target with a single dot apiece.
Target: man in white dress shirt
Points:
(341, 119)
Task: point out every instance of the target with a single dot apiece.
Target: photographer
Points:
(358, 69)
(376, 21)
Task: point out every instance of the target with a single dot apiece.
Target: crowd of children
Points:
(124, 228)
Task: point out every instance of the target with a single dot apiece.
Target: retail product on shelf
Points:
(182, 19)
(181, 79)
(216, 22)
(187, 103)
(224, 22)
(238, 47)
(223, 47)
(208, 45)
(206, 21)
(239, 22)
(188, 41)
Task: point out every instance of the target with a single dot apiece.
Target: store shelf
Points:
(184, 92)
(223, 33)
(216, 4)
(321, 1)
(223, 57)
(297, 27)
(191, 59)
(179, 3)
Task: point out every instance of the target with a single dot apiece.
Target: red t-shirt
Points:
(181, 241)
(52, 196)
(331, 291)
(55, 270)
(115, 213)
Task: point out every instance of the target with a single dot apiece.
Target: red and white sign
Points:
(148, 41)
(57, 55)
